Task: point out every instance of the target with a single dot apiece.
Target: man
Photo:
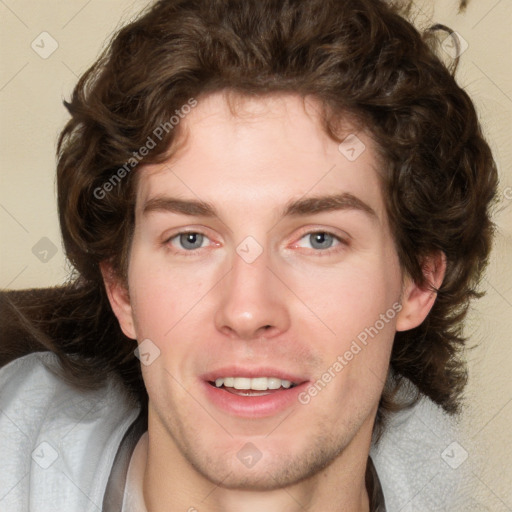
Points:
(285, 206)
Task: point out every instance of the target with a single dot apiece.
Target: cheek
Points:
(163, 295)
(352, 297)
(358, 307)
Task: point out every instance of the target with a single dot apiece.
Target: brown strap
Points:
(374, 488)
(114, 492)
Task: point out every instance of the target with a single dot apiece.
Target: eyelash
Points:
(318, 252)
(343, 243)
(184, 252)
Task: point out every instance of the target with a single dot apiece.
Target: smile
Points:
(254, 394)
(256, 384)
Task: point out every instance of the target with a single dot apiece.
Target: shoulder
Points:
(57, 442)
(421, 460)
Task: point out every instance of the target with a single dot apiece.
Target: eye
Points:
(188, 241)
(321, 241)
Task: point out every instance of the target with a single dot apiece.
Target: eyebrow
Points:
(294, 208)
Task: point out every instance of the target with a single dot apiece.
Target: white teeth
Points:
(241, 383)
(257, 383)
(274, 383)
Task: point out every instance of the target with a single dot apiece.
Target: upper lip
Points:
(253, 372)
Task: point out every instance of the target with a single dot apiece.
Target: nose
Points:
(253, 301)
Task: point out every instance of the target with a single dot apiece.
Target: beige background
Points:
(31, 94)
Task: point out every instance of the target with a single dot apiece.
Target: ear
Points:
(418, 301)
(119, 299)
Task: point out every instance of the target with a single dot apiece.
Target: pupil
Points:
(191, 240)
(323, 240)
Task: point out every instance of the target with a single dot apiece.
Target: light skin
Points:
(298, 306)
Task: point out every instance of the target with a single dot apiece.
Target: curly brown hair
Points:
(360, 58)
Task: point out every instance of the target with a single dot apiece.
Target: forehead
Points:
(262, 152)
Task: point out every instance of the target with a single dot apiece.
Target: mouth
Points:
(256, 386)
(252, 393)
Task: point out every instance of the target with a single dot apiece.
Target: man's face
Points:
(261, 290)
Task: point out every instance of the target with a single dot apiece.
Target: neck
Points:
(171, 482)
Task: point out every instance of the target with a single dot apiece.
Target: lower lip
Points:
(253, 406)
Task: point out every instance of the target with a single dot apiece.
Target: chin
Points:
(266, 470)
